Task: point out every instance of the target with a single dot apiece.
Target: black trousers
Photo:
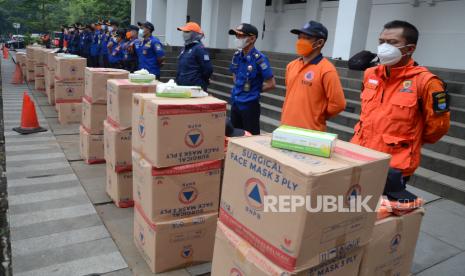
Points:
(93, 61)
(247, 117)
(103, 62)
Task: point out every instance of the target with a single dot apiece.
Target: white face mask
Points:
(140, 34)
(110, 29)
(186, 36)
(389, 54)
(240, 43)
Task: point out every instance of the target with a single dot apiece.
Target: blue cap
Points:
(313, 28)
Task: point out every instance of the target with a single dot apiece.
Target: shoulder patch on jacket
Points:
(440, 102)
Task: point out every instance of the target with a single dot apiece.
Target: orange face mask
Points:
(128, 35)
(303, 47)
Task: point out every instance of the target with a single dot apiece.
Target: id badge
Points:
(247, 86)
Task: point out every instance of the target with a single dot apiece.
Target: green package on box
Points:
(304, 140)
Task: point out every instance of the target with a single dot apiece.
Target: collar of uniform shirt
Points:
(250, 53)
(316, 60)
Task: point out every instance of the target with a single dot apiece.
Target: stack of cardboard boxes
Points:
(40, 59)
(392, 246)
(117, 138)
(50, 77)
(30, 54)
(94, 111)
(178, 145)
(256, 234)
(69, 88)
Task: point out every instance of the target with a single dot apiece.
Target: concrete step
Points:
(350, 118)
(448, 145)
(349, 78)
(282, 58)
(439, 184)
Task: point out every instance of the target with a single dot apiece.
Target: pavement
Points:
(63, 223)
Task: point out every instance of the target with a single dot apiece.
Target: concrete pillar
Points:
(216, 16)
(138, 10)
(176, 13)
(313, 10)
(156, 14)
(353, 17)
(253, 12)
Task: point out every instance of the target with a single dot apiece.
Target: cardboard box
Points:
(119, 101)
(117, 147)
(91, 147)
(51, 61)
(392, 245)
(138, 104)
(68, 91)
(93, 116)
(175, 132)
(39, 83)
(70, 69)
(49, 78)
(41, 55)
(50, 95)
(234, 256)
(300, 239)
(96, 82)
(37, 54)
(119, 187)
(30, 75)
(176, 192)
(174, 244)
(69, 113)
(30, 50)
(39, 70)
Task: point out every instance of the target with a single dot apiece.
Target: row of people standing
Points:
(105, 45)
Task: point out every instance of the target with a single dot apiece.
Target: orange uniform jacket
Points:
(313, 94)
(402, 112)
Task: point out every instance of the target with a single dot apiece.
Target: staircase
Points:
(442, 170)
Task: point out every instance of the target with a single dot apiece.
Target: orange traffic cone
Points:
(29, 122)
(18, 75)
(5, 52)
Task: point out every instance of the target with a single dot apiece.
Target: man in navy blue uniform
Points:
(149, 51)
(95, 44)
(252, 75)
(116, 53)
(129, 49)
(194, 65)
(85, 43)
(105, 35)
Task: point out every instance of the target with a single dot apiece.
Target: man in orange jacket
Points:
(313, 89)
(403, 104)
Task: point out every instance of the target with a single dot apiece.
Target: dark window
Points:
(268, 2)
(295, 1)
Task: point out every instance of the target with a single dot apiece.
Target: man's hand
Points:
(269, 84)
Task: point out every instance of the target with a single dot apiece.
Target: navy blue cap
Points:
(133, 28)
(147, 25)
(313, 28)
(244, 29)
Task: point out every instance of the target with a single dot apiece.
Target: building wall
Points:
(442, 28)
